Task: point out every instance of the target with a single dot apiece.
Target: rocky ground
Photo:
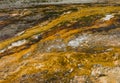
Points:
(17, 20)
(60, 44)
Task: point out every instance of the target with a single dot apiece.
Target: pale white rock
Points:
(73, 43)
(14, 15)
(66, 12)
(71, 70)
(107, 17)
(18, 43)
(36, 36)
(56, 46)
(20, 33)
(76, 42)
(3, 50)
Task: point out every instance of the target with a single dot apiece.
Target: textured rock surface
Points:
(60, 44)
(31, 3)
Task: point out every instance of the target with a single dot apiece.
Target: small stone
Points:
(80, 66)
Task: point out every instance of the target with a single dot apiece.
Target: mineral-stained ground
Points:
(60, 44)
